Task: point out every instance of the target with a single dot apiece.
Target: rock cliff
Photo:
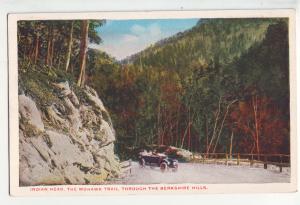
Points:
(70, 141)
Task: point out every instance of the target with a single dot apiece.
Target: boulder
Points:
(179, 153)
(30, 116)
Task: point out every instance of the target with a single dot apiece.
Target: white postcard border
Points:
(16, 190)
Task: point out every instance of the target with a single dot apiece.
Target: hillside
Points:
(220, 86)
(211, 40)
(66, 135)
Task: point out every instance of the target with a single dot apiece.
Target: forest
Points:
(221, 86)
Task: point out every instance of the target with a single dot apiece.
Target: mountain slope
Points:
(211, 40)
(198, 88)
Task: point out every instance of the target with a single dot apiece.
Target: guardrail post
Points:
(203, 158)
(265, 162)
(280, 166)
(238, 159)
(251, 161)
(226, 162)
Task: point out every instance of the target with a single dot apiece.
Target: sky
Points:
(122, 38)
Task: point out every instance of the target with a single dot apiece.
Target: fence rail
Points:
(279, 160)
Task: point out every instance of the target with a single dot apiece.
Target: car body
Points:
(157, 160)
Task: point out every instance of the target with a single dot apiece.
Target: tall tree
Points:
(49, 43)
(83, 51)
(70, 40)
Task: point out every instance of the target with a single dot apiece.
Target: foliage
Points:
(46, 42)
(221, 86)
(185, 90)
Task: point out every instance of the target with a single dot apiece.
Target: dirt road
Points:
(203, 174)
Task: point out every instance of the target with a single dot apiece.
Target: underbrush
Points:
(36, 81)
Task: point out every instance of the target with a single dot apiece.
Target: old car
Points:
(160, 160)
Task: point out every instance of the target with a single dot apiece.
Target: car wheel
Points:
(142, 163)
(163, 166)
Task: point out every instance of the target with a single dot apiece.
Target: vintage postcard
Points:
(162, 102)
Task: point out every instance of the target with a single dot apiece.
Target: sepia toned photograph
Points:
(122, 103)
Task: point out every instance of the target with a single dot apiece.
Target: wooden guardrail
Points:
(280, 160)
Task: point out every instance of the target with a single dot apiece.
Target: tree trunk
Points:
(171, 133)
(31, 51)
(83, 51)
(221, 128)
(177, 126)
(189, 130)
(186, 130)
(230, 148)
(36, 48)
(49, 44)
(59, 62)
(215, 126)
(189, 137)
(184, 134)
(254, 104)
(51, 57)
(158, 124)
(206, 133)
(68, 55)
(164, 127)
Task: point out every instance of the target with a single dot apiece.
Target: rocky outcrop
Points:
(69, 142)
(175, 152)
